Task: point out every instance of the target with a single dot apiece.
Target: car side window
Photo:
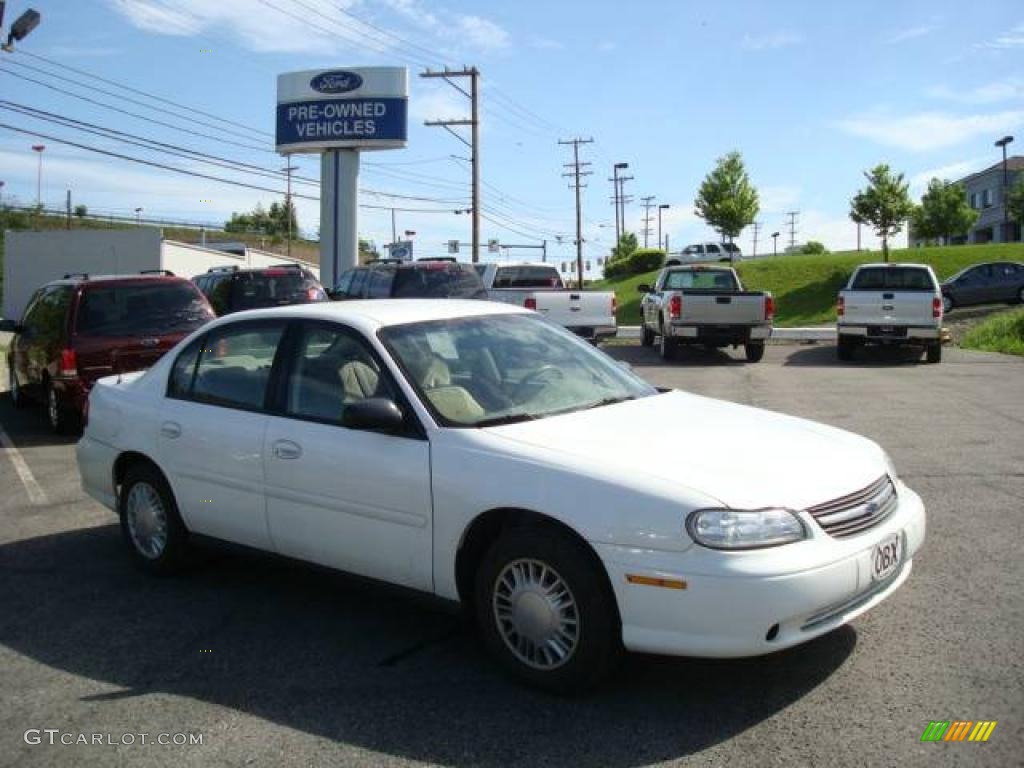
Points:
(179, 383)
(219, 293)
(378, 285)
(332, 367)
(49, 315)
(234, 364)
(712, 248)
(358, 281)
(344, 282)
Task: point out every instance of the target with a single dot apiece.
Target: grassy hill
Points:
(805, 287)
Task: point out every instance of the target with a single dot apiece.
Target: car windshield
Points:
(500, 369)
(892, 279)
(441, 280)
(142, 308)
(705, 279)
(527, 277)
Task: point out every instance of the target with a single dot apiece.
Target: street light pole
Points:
(618, 199)
(661, 208)
(38, 148)
(138, 217)
(288, 206)
(1006, 209)
(775, 243)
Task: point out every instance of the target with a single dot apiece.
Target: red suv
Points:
(82, 328)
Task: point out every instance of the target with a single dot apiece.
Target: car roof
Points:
(369, 315)
(126, 278)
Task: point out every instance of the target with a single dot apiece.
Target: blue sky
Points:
(812, 94)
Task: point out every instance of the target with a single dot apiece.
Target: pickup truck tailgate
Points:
(895, 307)
(577, 309)
(725, 309)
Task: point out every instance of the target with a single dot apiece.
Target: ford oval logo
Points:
(338, 81)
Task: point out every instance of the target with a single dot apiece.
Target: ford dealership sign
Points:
(358, 108)
(339, 81)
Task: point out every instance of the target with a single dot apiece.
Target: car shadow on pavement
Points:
(358, 663)
(683, 357)
(27, 427)
(824, 356)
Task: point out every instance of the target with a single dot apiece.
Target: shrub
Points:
(644, 260)
(813, 247)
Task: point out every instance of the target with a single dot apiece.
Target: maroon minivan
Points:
(82, 328)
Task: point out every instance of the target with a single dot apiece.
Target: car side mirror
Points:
(11, 326)
(374, 414)
(644, 288)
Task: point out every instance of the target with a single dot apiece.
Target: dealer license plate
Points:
(886, 557)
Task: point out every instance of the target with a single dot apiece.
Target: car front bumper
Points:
(732, 601)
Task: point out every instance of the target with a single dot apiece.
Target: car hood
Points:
(745, 457)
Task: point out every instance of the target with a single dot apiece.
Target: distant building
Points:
(984, 191)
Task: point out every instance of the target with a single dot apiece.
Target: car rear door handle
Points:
(170, 429)
(286, 449)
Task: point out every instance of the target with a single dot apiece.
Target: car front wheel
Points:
(545, 610)
(150, 521)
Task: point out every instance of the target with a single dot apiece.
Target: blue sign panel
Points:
(361, 121)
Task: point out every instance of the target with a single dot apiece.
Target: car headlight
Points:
(744, 529)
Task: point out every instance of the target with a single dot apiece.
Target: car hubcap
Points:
(51, 407)
(536, 614)
(147, 520)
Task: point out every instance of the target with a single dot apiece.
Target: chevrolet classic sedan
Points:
(474, 451)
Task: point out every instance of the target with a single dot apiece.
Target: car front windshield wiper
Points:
(608, 401)
(508, 418)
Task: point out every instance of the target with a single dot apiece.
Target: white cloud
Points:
(456, 30)
(910, 33)
(1009, 89)
(437, 101)
(927, 131)
(949, 172)
(770, 41)
(775, 199)
(1008, 40)
(482, 33)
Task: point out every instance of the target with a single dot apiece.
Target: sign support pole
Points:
(339, 220)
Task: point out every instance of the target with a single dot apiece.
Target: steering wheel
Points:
(535, 378)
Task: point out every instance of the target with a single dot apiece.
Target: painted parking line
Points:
(35, 493)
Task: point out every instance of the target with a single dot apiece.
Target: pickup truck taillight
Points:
(769, 307)
(936, 307)
(675, 307)
(615, 305)
(68, 363)
(840, 306)
(531, 303)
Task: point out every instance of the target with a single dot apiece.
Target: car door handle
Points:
(286, 449)
(170, 429)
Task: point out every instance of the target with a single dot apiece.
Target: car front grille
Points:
(859, 511)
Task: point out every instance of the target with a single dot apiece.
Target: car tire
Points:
(532, 578)
(646, 336)
(17, 396)
(666, 346)
(754, 352)
(934, 352)
(150, 522)
(845, 349)
(1020, 296)
(62, 421)
(948, 305)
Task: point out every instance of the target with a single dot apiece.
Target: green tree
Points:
(813, 247)
(727, 200)
(81, 211)
(272, 221)
(1015, 201)
(367, 251)
(943, 212)
(884, 204)
(624, 248)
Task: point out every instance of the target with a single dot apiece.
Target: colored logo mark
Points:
(958, 730)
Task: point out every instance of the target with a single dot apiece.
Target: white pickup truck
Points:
(590, 314)
(890, 304)
(705, 305)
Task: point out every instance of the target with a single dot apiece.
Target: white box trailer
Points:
(34, 258)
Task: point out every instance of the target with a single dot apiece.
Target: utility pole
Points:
(757, 230)
(38, 148)
(617, 199)
(67, 205)
(394, 229)
(647, 219)
(577, 172)
(288, 204)
(792, 227)
(474, 144)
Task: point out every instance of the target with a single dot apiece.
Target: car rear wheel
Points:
(61, 420)
(934, 353)
(754, 352)
(845, 348)
(1020, 296)
(646, 336)
(150, 521)
(17, 396)
(545, 610)
(947, 303)
(666, 346)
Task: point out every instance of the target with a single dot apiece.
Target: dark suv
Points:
(231, 289)
(82, 328)
(428, 279)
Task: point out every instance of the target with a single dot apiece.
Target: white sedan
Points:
(475, 451)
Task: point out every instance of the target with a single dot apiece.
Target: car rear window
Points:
(142, 308)
(527, 277)
(438, 281)
(707, 280)
(274, 287)
(893, 279)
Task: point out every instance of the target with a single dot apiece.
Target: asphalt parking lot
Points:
(278, 664)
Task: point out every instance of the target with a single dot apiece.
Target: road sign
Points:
(453, 246)
(401, 250)
(364, 108)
